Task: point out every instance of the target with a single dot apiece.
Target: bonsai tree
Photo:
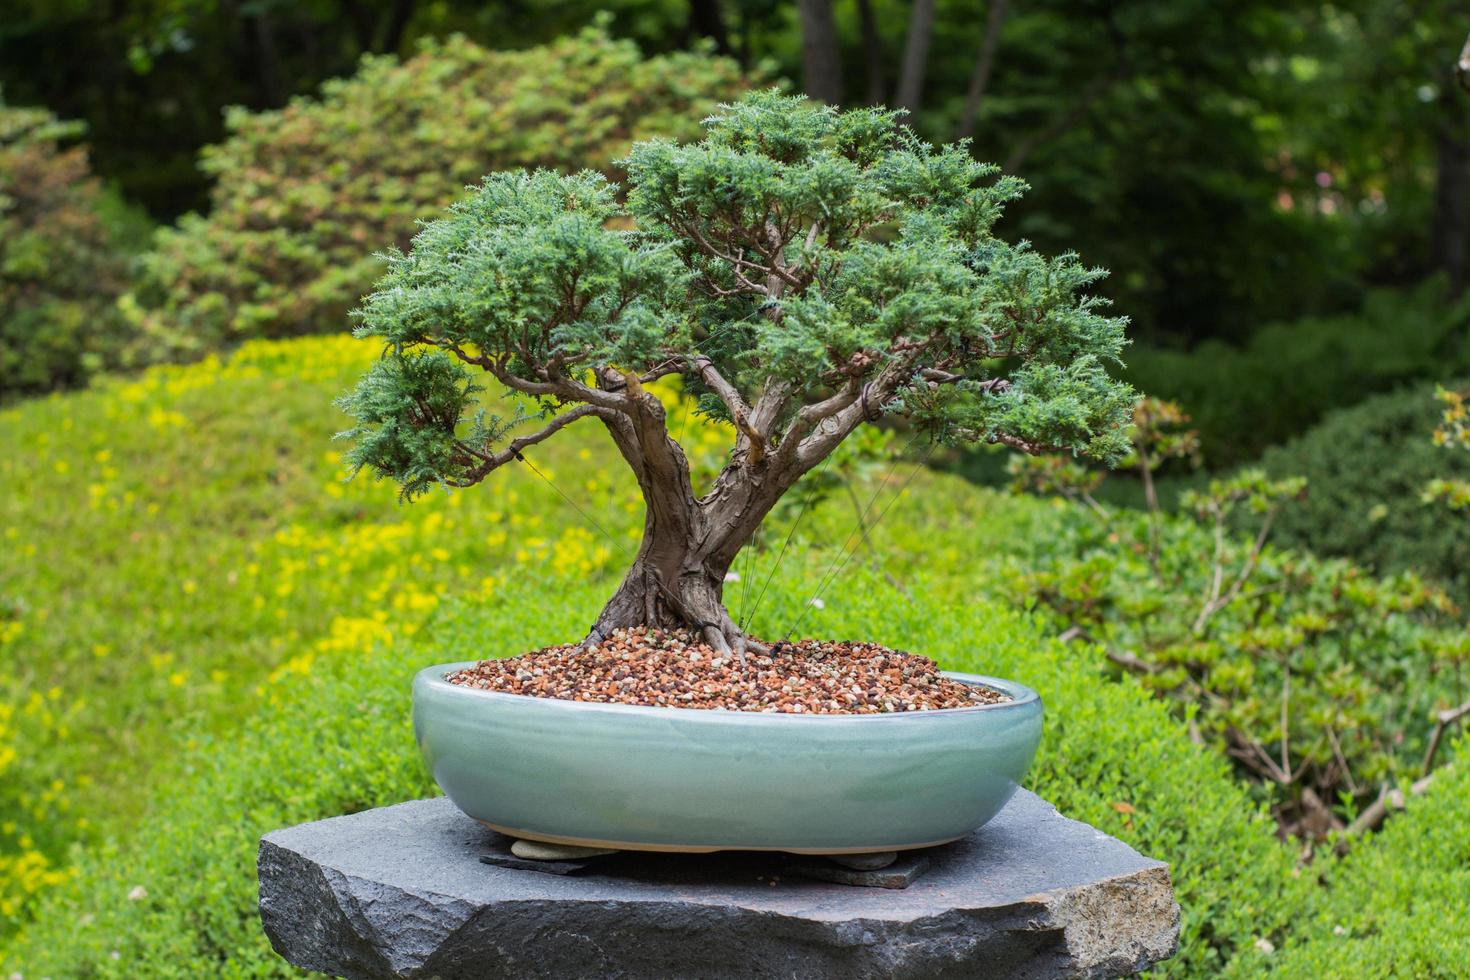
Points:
(805, 271)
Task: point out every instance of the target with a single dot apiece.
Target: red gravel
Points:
(671, 669)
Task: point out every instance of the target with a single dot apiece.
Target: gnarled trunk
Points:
(671, 590)
(677, 579)
(689, 543)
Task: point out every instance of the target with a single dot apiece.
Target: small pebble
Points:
(876, 861)
(535, 850)
(675, 668)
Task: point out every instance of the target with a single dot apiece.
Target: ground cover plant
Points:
(756, 276)
(305, 197)
(1397, 908)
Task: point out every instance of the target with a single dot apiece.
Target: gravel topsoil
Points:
(671, 668)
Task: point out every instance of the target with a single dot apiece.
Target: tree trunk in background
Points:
(398, 19)
(706, 19)
(872, 53)
(915, 58)
(821, 59)
(984, 63)
(1451, 189)
(267, 63)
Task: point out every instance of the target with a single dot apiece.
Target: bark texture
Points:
(689, 543)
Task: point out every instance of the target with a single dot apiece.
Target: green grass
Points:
(259, 622)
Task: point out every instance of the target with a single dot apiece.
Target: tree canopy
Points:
(805, 270)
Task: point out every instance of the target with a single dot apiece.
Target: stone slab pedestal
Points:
(401, 892)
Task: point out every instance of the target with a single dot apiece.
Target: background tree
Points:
(805, 271)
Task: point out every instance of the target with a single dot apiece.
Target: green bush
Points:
(1320, 681)
(304, 196)
(61, 264)
(1368, 467)
(1292, 374)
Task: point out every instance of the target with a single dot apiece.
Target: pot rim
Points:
(1021, 697)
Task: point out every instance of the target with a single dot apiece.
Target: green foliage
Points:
(306, 195)
(1152, 133)
(972, 338)
(1368, 467)
(1399, 907)
(1453, 433)
(61, 264)
(1290, 375)
(1320, 681)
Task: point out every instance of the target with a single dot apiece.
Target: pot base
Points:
(699, 849)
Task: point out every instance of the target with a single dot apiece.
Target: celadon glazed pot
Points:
(685, 779)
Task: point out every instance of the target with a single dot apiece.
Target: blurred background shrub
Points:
(1246, 398)
(1369, 467)
(306, 197)
(63, 256)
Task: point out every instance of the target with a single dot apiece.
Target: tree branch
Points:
(492, 461)
(1442, 721)
(564, 388)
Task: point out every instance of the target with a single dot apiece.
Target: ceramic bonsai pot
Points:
(680, 779)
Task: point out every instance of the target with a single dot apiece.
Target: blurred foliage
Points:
(1382, 148)
(1232, 163)
(1453, 433)
(1368, 467)
(1319, 680)
(307, 197)
(1290, 375)
(62, 257)
(151, 78)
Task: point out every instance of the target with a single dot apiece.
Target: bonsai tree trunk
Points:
(677, 579)
(671, 585)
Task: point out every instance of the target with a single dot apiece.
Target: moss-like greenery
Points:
(1398, 908)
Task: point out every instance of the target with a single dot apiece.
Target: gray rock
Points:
(865, 862)
(902, 873)
(508, 860)
(401, 892)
